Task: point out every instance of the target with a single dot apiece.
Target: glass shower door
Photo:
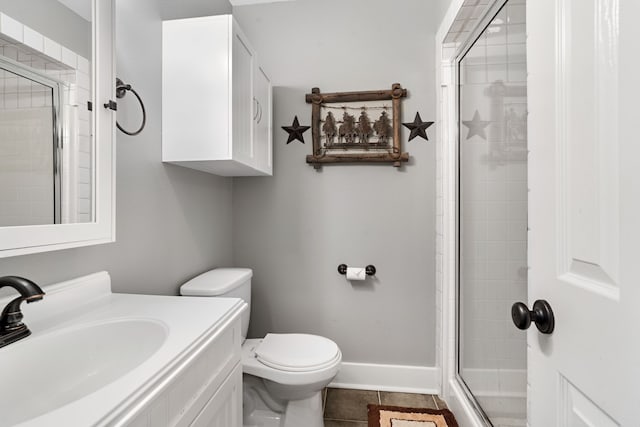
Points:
(29, 169)
(492, 263)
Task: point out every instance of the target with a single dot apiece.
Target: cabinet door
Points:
(262, 122)
(195, 89)
(242, 98)
(225, 407)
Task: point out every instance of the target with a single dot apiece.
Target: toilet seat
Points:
(296, 352)
(291, 359)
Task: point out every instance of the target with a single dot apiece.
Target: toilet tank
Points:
(223, 282)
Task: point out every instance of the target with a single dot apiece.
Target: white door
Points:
(584, 225)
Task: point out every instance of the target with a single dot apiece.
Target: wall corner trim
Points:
(396, 378)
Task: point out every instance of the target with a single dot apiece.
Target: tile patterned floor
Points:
(348, 408)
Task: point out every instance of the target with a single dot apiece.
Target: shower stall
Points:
(487, 142)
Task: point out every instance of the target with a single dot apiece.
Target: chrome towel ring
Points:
(121, 91)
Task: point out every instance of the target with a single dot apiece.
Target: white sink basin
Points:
(102, 359)
(44, 372)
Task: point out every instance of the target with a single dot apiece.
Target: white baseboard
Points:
(397, 378)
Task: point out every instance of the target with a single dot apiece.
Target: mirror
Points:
(46, 145)
(56, 144)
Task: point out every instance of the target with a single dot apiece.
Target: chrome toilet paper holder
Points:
(369, 269)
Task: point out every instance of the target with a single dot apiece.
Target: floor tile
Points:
(441, 403)
(349, 405)
(337, 423)
(409, 400)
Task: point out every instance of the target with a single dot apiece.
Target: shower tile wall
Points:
(493, 217)
(27, 199)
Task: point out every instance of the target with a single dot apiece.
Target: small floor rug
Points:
(396, 416)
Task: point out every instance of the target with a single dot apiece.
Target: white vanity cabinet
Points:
(224, 409)
(205, 390)
(216, 99)
(137, 360)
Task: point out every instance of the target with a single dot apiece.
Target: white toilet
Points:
(284, 374)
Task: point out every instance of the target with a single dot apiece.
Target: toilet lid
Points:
(296, 352)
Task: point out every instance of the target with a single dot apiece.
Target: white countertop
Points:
(188, 321)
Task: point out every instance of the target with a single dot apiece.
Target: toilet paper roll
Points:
(356, 273)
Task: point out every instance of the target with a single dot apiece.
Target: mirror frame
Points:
(23, 240)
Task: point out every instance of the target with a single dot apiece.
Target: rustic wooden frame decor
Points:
(350, 149)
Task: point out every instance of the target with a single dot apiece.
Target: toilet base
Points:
(306, 412)
(260, 409)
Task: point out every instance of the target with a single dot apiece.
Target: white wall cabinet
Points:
(216, 99)
(262, 124)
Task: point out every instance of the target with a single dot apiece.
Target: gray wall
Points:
(54, 20)
(172, 222)
(441, 10)
(295, 228)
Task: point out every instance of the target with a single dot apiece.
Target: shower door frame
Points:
(457, 393)
(461, 52)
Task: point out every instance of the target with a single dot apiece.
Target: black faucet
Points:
(11, 327)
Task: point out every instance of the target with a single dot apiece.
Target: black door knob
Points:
(541, 315)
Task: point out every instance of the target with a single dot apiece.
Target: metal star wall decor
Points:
(417, 127)
(296, 131)
(476, 126)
